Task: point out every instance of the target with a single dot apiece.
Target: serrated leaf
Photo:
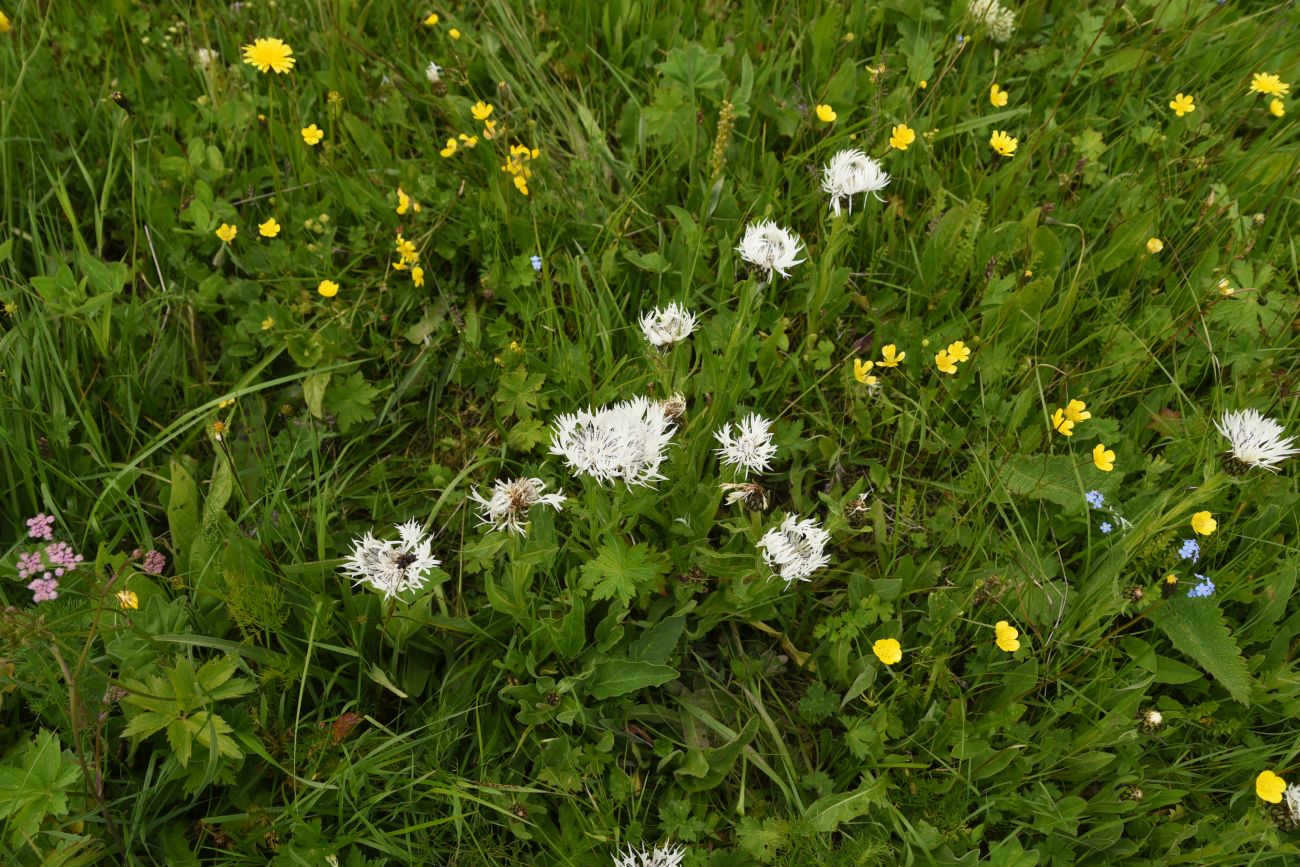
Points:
(1197, 628)
(37, 787)
(621, 572)
(349, 400)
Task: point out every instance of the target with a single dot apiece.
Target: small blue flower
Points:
(1105, 527)
(1203, 589)
(536, 262)
(1095, 499)
(1190, 550)
(960, 39)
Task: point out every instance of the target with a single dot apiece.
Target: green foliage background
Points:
(628, 674)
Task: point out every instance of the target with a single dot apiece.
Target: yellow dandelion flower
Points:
(312, 135)
(1003, 144)
(227, 232)
(826, 114)
(902, 136)
(269, 229)
(269, 54)
(1268, 83)
(998, 96)
(1182, 104)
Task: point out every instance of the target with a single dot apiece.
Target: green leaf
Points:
(349, 400)
(614, 677)
(313, 392)
(37, 788)
(1197, 628)
(620, 572)
(693, 68)
(719, 760)
(518, 393)
(183, 512)
(826, 814)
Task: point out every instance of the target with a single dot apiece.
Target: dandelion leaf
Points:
(1197, 628)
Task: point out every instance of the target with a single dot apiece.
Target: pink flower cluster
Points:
(154, 562)
(49, 564)
(44, 589)
(41, 527)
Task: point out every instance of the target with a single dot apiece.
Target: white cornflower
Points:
(660, 856)
(750, 448)
(752, 494)
(1256, 441)
(1291, 797)
(668, 325)
(768, 246)
(433, 72)
(796, 549)
(849, 173)
(507, 507)
(392, 567)
(624, 442)
(996, 18)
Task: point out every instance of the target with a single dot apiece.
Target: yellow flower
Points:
(404, 202)
(998, 96)
(903, 135)
(468, 141)
(887, 650)
(406, 252)
(453, 33)
(1270, 787)
(1267, 82)
(826, 114)
(944, 362)
(1155, 245)
(1182, 104)
(417, 275)
(1007, 636)
(521, 184)
(328, 288)
(4, 23)
(1276, 108)
(862, 371)
(489, 129)
(1061, 424)
(890, 356)
(1225, 288)
(923, 84)
(481, 110)
(449, 149)
(127, 598)
(269, 229)
(1103, 457)
(227, 232)
(268, 323)
(1077, 410)
(268, 54)
(312, 134)
(1204, 524)
(1003, 144)
(432, 20)
(958, 351)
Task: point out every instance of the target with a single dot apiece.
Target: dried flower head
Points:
(506, 508)
(624, 442)
(1255, 441)
(850, 173)
(1151, 720)
(750, 448)
(392, 567)
(665, 326)
(751, 494)
(796, 549)
(770, 248)
(673, 407)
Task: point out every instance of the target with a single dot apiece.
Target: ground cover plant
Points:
(672, 433)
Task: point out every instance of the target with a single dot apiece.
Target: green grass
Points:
(628, 674)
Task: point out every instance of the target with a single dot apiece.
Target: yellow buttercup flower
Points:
(4, 23)
(890, 356)
(328, 288)
(944, 362)
(998, 96)
(269, 229)
(1061, 424)
(227, 232)
(449, 149)
(826, 114)
(1276, 108)
(432, 20)
(1003, 144)
(453, 33)
(1007, 637)
(862, 371)
(958, 351)
(1270, 787)
(1077, 410)
(903, 135)
(269, 54)
(127, 598)
(481, 110)
(1267, 82)
(1103, 458)
(312, 134)
(1182, 104)
(1204, 524)
(1155, 245)
(888, 650)
(468, 141)
(268, 323)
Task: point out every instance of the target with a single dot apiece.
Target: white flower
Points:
(433, 72)
(996, 18)
(392, 567)
(1291, 797)
(661, 856)
(750, 448)
(770, 247)
(849, 173)
(796, 549)
(668, 325)
(205, 56)
(624, 442)
(1256, 441)
(507, 507)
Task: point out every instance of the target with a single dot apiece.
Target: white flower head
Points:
(1291, 797)
(796, 549)
(996, 18)
(624, 442)
(205, 56)
(433, 72)
(769, 247)
(507, 506)
(750, 448)
(668, 325)
(1256, 441)
(392, 567)
(850, 173)
(660, 856)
